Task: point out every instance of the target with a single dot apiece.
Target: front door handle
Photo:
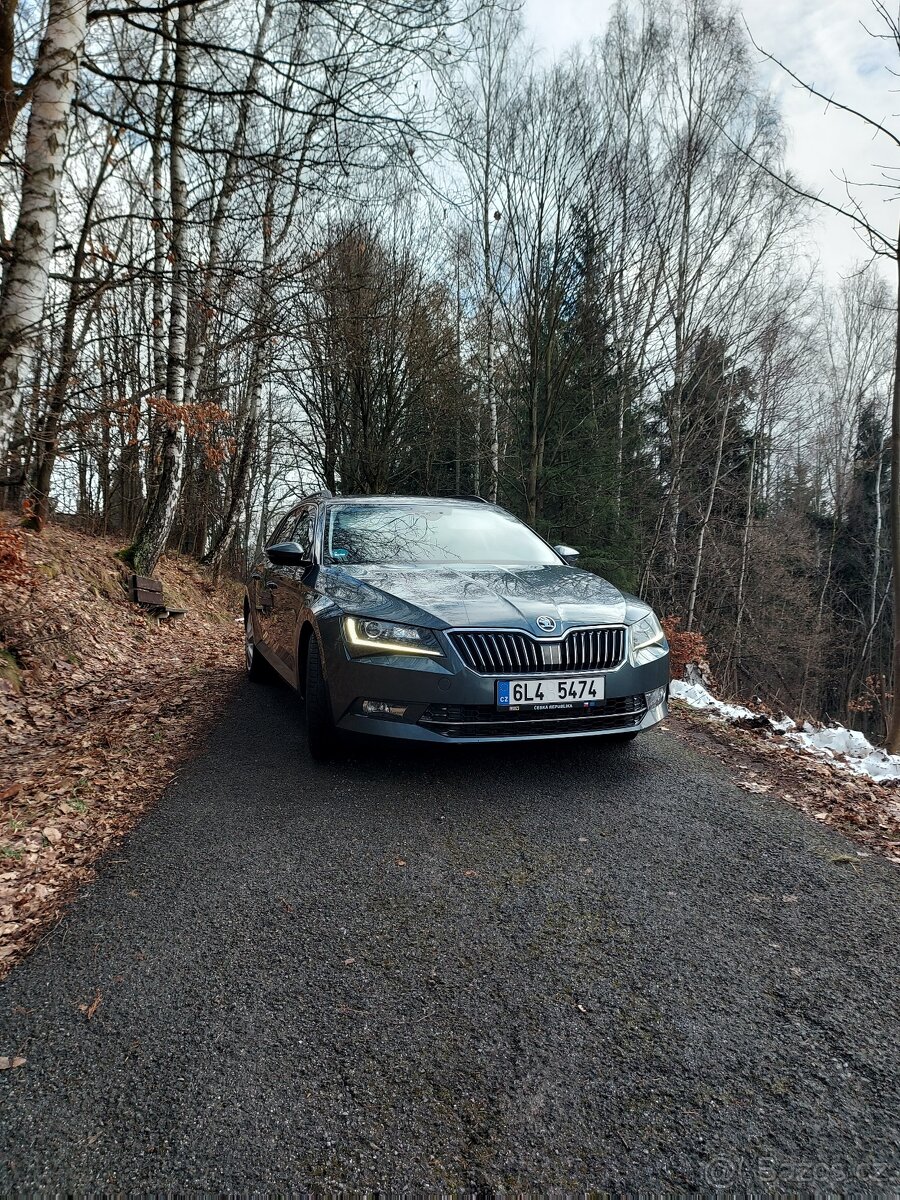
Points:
(270, 585)
(256, 575)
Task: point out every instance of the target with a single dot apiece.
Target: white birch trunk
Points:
(159, 515)
(159, 217)
(876, 565)
(734, 654)
(707, 514)
(25, 285)
(259, 363)
(226, 193)
(892, 741)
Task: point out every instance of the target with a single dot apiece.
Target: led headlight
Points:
(365, 636)
(646, 632)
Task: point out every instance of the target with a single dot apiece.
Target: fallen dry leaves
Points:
(864, 810)
(99, 704)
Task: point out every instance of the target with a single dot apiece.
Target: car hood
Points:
(499, 597)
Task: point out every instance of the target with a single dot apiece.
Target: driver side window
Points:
(278, 534)
(304, 531)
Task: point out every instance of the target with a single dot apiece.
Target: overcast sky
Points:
(824, 42)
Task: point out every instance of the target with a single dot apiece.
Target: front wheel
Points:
(321, 735)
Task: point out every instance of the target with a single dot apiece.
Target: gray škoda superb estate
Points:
(447, 620)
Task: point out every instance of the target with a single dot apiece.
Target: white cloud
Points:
(824, 42)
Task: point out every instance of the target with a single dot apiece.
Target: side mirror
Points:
(569, 553)
(287, 554)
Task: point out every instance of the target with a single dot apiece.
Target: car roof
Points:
(374, 501)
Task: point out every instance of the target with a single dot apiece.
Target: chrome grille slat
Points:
(483, 651)
(488, 647)
(477, 654)
(514, 652)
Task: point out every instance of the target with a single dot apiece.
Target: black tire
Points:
(321, 735)
(257, 668)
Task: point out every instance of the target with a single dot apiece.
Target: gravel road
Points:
(562, 966)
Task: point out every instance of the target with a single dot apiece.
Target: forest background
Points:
(250, 249)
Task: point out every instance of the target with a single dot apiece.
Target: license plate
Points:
(550, 693)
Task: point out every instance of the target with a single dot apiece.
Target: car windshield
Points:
(430, 533)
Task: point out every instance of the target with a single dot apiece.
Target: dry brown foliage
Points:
(15, 569)
(685, 648)
(99, 703)
(862, 809)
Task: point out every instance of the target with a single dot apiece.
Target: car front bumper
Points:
(444, 701)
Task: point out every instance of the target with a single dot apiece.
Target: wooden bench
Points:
(149, 594)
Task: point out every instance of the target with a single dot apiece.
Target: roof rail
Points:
(321, 494)
(480, 499)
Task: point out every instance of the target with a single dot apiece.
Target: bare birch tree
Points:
(479, 101)
(25, 281)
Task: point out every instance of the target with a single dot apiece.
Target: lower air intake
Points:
(483, 720)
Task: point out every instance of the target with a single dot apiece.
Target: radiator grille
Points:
(514, 653)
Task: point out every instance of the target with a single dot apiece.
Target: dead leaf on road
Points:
(8, 1063)
(90, 1009)
(845, 859)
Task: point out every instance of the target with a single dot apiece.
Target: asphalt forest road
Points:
(557, 966)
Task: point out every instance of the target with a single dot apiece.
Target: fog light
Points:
(656, 697)
(381, 708)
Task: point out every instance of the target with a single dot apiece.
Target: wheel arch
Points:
(304, 637)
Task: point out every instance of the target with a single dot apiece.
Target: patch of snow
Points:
(838, 740)
(696, 695)
(782, 724)
(859, 755)
(847, 749)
